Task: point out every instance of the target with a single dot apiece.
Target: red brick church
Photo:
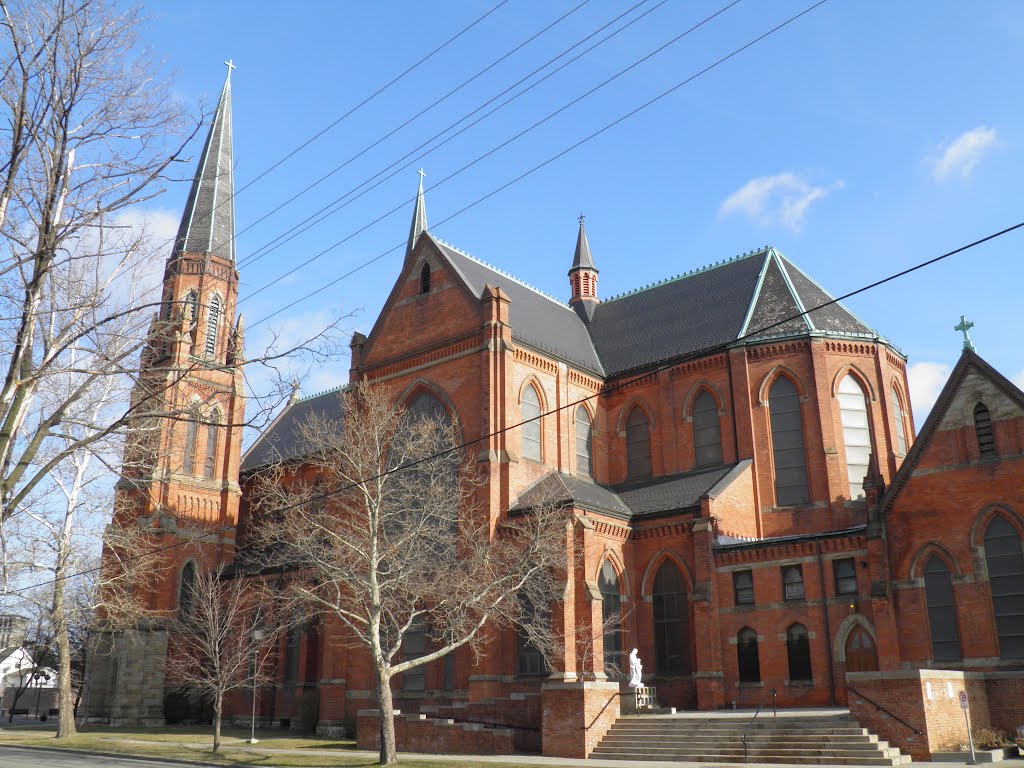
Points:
(750, 498)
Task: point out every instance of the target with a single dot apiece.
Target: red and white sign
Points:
(963, 699)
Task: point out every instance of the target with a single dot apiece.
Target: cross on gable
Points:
(964, 327)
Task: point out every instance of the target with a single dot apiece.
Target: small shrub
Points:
(991, 738)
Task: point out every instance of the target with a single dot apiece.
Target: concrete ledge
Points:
(982, 755)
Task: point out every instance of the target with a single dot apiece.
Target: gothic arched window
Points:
(938, 589)
(853, 411)
(611, 618)
(188, 464)
(747, 657)
(192, 307)
(584, 443)
(210, 465)
(425, 279)
(983, 430)
(529, 660)
(212, 326)
(671, 621)
(707, 433)
(1004, 557)
(186, 590)
(426, 405)
(638, 444)
(788, 443)
(901, 425)
(798, 651)
(529, 412)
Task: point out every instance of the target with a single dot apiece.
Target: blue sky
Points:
(859, 140)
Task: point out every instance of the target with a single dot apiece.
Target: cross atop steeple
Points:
(230, 65)
(419, 217)
(964, 327)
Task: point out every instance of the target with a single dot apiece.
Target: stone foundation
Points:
(125, 682)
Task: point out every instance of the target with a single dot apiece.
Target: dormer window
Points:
(425, 279)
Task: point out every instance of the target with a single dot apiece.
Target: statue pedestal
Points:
(636, 701)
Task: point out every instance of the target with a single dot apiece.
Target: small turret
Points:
(583, 277)
(419, 218)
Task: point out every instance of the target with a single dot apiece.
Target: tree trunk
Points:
(388, 754)
(218, 705)
(65, 698)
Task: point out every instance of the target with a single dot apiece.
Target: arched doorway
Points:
(861, 653)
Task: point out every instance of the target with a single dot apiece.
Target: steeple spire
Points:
(419, 217)
(208, 223)
(583, 277)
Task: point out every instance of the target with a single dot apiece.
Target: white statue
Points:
(636, 670)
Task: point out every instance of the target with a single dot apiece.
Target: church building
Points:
(752, 508)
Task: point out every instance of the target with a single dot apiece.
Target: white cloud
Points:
(964, 152)
(926, 380)
(1019, 379)
(780, 199)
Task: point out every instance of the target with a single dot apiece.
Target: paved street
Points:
(20, 757)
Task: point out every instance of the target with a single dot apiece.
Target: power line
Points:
(658, 368)
(519, 178)
(262, 251)
(410, 120)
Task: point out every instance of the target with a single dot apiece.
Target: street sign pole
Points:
(967, 719)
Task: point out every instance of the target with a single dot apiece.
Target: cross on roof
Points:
(230, 64)
(964, 327)
(422, 173)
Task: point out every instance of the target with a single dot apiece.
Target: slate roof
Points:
(537, 319)
(629, 500)
(582, 258)
(208, 223)
(283, 438)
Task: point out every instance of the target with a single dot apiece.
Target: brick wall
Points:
(418, 733)
(576, 717)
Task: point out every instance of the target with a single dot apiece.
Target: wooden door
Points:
(861, 653)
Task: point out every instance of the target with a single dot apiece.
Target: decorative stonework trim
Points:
(534, 360)
(663, 554)
(859, 375)
(843, 632)
(697, 366)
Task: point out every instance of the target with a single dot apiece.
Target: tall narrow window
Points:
(584, 443)
(529, 409)
(1005, 559)
(188, 464)
(414, 645)
(425, 279)
(192, 307)
(853, 410)
(212, 325)
(671, 621)
(746, 655)
(793, 582)
(788, 444)
(529, 660)
(291, 655)
(186, 590)
(938, 589)
(983, 429)
(707, 433)
(611, 619)
(210, 465)
(798, 651)
(845, 572)
(426, 406)
(743, 587)
(638, 444)
(901, 425)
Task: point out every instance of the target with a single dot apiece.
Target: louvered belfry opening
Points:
(983, 431)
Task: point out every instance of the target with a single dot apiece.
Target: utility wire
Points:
(395, 130)
(262, 251)
(515, 180)
(660, 366)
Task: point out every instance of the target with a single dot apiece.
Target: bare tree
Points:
(382, 533)
(221, 637)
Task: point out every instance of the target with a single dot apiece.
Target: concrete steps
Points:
(819, 739)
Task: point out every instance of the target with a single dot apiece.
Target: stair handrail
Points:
(775, 713)
(880, 708)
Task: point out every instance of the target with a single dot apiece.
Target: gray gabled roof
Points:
(652, 497)
(283, 439)
(208, 223)
(537, 320)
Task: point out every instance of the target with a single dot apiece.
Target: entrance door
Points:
(861, 654)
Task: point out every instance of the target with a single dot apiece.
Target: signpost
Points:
(967, 719)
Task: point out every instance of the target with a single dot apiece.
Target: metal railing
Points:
(775, 713)
(880, 708)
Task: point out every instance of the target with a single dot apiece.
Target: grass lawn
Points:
(191, 743)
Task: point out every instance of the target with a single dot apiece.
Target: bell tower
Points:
(179, 477)
(583, 277)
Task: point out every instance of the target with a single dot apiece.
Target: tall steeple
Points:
(208, 222)
(419, 217)
(583, 277)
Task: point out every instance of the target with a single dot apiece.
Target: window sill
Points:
(750, 685)
(800, 683)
